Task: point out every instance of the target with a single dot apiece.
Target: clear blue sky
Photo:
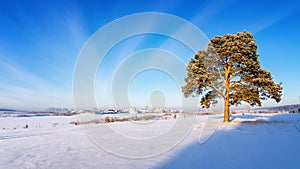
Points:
(41, 40)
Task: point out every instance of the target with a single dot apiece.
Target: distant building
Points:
(158, 110)
(144, 111)
(57, 109)
(132, 110)
(174, 111)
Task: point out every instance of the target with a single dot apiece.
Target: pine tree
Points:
(229, 69)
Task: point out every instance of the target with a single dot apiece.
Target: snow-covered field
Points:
(249, 141)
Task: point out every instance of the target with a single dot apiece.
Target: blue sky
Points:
(41, 40)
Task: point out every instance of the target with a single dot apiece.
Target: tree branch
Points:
(221, 76)
(218, 92)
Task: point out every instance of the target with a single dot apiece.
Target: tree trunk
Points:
(226, 108)
(226, 99)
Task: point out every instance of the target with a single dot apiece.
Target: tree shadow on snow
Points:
(241, 146)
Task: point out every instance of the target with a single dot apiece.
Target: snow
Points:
(249, 141)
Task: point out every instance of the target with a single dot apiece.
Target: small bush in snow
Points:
(112, 120)
(106, 120)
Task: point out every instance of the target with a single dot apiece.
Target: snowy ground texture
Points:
(250, 141)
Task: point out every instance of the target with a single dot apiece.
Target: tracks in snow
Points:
(34, 133)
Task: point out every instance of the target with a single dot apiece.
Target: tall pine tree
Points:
(229, 69)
